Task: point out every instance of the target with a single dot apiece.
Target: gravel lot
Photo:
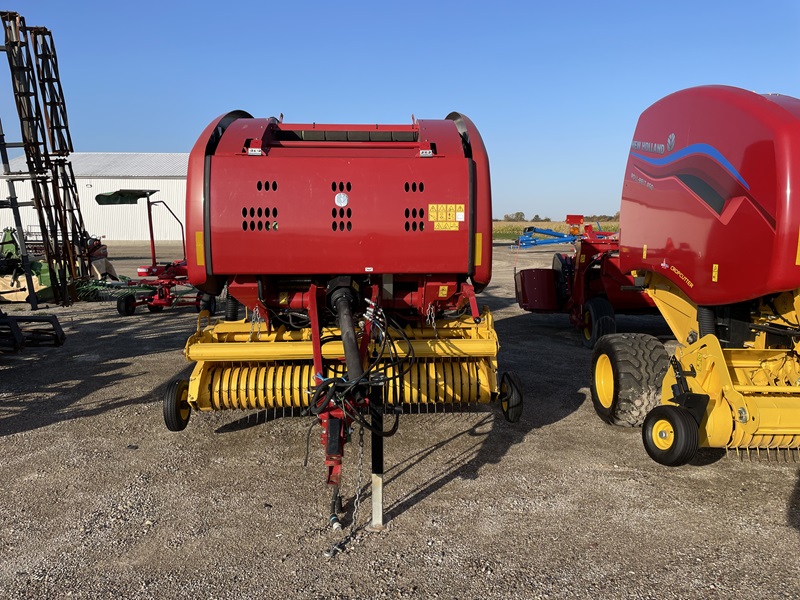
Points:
(99, 500)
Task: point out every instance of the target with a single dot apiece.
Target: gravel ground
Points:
(99, 500)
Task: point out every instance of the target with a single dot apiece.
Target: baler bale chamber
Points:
(354, 254)
(711, 231)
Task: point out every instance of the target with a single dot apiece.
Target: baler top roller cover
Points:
(357, 252)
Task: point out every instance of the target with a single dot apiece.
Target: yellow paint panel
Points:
(199, 249)
(478, 249)
(797, 257)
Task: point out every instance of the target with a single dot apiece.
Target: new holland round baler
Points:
(356, 252)
(710, 229)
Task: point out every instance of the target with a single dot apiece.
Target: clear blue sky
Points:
(555, 88)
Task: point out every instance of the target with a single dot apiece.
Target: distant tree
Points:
(517, 216)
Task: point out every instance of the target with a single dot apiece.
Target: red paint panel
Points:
(707, 194)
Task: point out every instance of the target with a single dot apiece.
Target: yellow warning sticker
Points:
(283, 298)
(443, 226)
(443, 291)
(446, 217)
(644, 251)
(715, 272)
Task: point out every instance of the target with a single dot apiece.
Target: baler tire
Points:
(176, 407)
(209, 303)
(627, 372)
(598, 320)
(670, 435)
(511, 396)
(126, 305)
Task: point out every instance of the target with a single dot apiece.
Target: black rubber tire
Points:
(670, 435)
(209, 303)
(627, 372)
(511, 396)
(598, 320)
(176, 408)
(154, 308)
(126, 305)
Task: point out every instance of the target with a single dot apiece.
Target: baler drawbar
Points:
(354, 253)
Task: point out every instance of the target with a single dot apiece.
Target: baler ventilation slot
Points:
(259, 218)
(411, 223)
(267, 186)
(341, 186)
(414, 186)
(319, 135)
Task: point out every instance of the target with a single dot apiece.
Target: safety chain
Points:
(431, 319)
(255, 324)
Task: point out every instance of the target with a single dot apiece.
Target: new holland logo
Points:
(671, 142)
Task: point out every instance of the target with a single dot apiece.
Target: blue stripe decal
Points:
(706, 149)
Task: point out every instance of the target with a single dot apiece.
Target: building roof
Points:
(121, 164)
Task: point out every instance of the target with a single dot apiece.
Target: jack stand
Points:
(376, 420)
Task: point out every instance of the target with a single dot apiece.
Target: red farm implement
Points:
(357, 252)
(161, 285)
(587, 284)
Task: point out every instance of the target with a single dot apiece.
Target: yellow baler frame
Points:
(243, 365)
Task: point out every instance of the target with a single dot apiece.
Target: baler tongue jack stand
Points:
(357, 251)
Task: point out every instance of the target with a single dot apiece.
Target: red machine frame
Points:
(588, 285)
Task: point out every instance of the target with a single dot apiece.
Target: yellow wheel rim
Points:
(587, 325)
(183, 403)
(604, 380)
(663, 434)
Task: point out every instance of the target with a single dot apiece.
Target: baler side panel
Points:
(284, 211)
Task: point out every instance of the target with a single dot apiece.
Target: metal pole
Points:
(376, 420)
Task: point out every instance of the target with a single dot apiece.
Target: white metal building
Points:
(101, 172)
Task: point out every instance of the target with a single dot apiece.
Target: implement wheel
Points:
(511, 396)
(208, 302)
(126, 305)
(598, 320)
(176, 406)
(670, 435)
(627, 372)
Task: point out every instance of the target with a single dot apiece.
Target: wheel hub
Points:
(663, 434)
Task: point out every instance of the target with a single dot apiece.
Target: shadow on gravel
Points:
(552, 372)
(43, 386)
(793, 510)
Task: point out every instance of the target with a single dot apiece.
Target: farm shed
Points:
(101, 172)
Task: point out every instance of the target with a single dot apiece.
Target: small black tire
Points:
(597, 320)
(670, 435)
(627, 372)
(126, 305)
(176, 405)
(209, 303)
(511, 396)
(154, 308)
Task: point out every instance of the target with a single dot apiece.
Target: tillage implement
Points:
(352, 256)
(710, 230)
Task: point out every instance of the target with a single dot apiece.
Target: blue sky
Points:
(554, 88)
